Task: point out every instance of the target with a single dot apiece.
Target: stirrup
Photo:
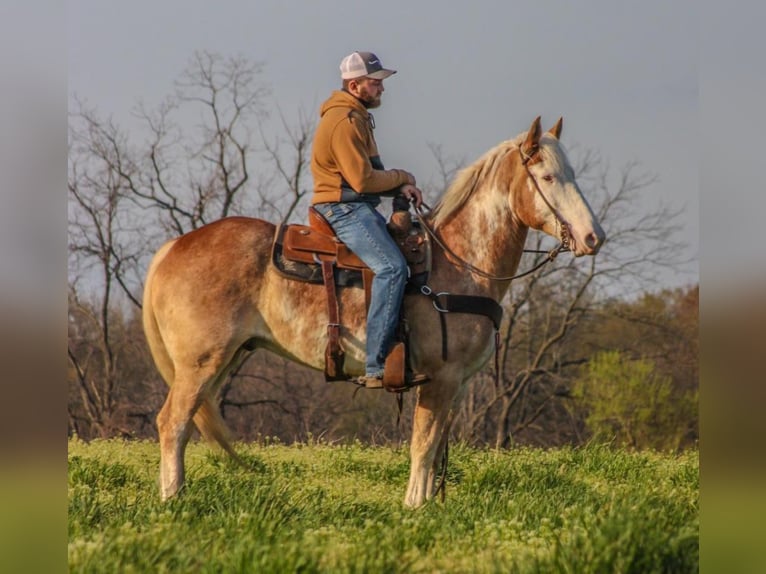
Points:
(411, 380)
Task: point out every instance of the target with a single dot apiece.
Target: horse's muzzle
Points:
(588, 245)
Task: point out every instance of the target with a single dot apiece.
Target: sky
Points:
(470, 75)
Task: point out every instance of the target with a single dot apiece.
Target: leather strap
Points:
(473, 304)
(334, 355)
(394, 372)
(367, 277)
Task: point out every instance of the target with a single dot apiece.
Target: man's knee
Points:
(395, 269)
(400, 270)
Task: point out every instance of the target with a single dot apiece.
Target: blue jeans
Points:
(363, 230)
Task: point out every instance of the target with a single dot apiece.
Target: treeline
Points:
(589, 347)
(628, 373)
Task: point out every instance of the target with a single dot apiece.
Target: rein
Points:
(563, 246)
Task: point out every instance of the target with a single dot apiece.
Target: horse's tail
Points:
(211, 426)
(151, 329)
(207, 419)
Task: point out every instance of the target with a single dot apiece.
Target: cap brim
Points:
(381, 74)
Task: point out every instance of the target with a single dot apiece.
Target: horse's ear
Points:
(533, 138)
(555, 131)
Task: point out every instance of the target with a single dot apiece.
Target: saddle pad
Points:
(308, 271)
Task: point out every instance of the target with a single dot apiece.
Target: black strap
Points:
(442, 486)
(473, 304)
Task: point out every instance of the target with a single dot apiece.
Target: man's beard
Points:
(367, 100)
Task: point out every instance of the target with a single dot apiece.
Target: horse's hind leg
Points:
(174, 423)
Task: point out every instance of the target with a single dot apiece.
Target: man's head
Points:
(360, 64)
(363, 75)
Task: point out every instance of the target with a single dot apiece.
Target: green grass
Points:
(321, 508)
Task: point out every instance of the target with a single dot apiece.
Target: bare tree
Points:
(110, 390)
(192, 177)
(127, 198)
(105, 252)
(446, 169)
(291, 170)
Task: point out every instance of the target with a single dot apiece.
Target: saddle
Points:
(314, 254)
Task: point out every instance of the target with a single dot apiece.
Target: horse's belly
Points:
(296, 318)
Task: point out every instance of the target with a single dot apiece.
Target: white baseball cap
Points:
(363, 64)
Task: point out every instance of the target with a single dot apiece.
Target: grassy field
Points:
(321, 508)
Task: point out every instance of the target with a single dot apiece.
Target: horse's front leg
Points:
(436, 467)
(430, 420)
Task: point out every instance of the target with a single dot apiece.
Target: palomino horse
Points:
(212, 296)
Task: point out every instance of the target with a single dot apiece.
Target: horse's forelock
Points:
(553, 153)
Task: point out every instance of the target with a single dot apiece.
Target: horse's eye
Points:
(548, 178)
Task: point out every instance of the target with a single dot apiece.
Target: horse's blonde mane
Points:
(481, 172)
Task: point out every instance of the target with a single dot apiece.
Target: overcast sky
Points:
(623, 74)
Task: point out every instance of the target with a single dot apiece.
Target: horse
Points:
(212, 296)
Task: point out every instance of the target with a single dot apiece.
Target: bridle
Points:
(564, 234)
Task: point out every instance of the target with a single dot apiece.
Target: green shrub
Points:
(630, 403)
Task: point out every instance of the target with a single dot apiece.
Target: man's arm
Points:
(352, 156)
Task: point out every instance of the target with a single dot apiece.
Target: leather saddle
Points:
(316, 242)
(313, 253)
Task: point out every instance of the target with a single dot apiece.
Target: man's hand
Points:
(412, 194)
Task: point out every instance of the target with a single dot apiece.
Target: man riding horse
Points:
(349, 180)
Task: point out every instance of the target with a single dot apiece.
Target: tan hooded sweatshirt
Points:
(344, 159)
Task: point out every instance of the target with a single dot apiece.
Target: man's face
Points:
(369, 92)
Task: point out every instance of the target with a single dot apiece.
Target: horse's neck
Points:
(484, 233)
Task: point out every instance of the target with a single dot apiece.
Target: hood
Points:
(341, 99)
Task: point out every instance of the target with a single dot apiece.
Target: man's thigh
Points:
(364, 231)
